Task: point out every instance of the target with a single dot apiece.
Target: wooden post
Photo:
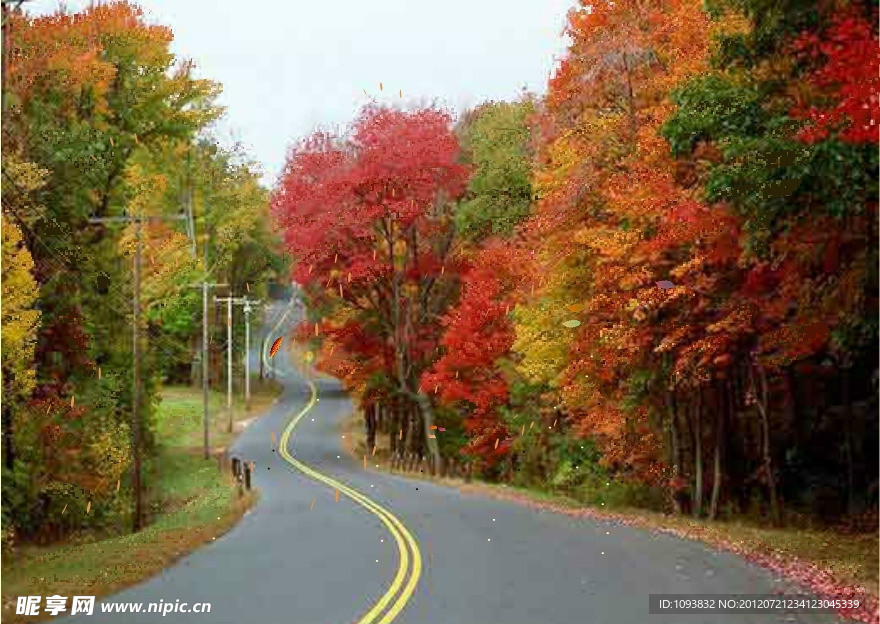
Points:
(247, 476)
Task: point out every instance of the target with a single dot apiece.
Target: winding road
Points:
(394, 549)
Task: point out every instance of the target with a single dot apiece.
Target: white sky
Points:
(288, 66)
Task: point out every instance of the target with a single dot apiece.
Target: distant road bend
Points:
(396, 550)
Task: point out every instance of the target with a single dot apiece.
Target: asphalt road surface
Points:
(426, 554)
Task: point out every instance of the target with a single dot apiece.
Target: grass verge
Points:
(190, 502)
(827, 562)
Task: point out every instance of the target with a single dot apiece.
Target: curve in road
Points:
(301, 557)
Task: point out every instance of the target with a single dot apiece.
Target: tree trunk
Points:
(381, 420)
(698, 455)
(405, 426)
(415, 440)
(8, 446)
(427, 413)
(676, 452)
(722, 403)
(847, 441)
(762, 400)
(370, 425)
(393, 432)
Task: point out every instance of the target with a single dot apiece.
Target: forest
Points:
(654, 285)
(101, 121)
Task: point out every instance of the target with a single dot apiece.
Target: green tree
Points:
(495, 141)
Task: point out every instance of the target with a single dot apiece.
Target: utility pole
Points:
(247, 352)
(229, 301)
(136, 390)
(206, 386)
(206, 359)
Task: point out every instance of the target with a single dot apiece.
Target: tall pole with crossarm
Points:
(229, 301)
(136, 388)
(247, 351)
(206, 370)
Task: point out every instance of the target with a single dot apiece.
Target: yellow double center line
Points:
(410, 559)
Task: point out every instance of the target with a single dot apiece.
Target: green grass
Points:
(189, 502)
(179, 421)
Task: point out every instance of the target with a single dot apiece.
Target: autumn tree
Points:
(368, 219)
(19, 329)
(496, 144)
(797, 167)
(98, 108)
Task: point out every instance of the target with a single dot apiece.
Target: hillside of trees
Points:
(101, 120)
(662, 274)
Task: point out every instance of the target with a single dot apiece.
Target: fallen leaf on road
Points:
(275, 346)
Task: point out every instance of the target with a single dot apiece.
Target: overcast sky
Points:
(288, 66)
